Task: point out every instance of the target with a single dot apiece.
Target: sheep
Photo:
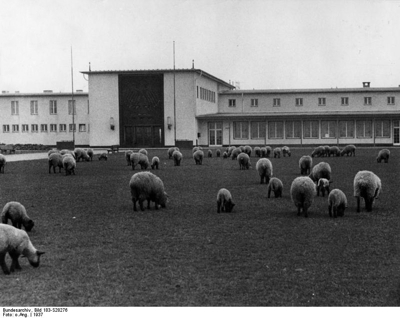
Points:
(103, 156)
(326, 151)
(143, 151)
(128, 157)
(66, 151)
(177, 155)
(198, 157)
(349, 150)
(79, 154)
(224, 201)
(268, 151)
(69, 164)
(305, 164)
(143, 161)
(235, 153)
(368, 186)
(52, 151)
(147, 186)
(225, 155)
(277, 152)
(16, 213)
(85, 156)
(90, 153)
(3, 162)
(264, 168)
(55, 160)
(218, 152)
(230, 150)
(241, 148)
(302, 192)
(276, 186)
(318, 152)
(134, 158)
(286, 151)
(247, 150)
(321, 170)
(195, 149)
(244, 161)
(16, 242)
(337, 203)
(263, 152)
(322, 186)
(155, 162)
(383, 155)
(334, 151)
(171, 151)
(257, 151)
(209, 153)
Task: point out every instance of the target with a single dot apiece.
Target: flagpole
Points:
(174, 97)
(72, 102)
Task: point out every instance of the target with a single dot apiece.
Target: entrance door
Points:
(215, 133)
(142, 136)
(157, 136)
(396, 132)
(128, 136)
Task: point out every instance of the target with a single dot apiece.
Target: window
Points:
(345, 100)
(53, 107)
(232, 103)
(25, 128)
(53, 128)
(310, 129)
(70, 107)
(206, 94)
(346, 129)
(34, 128)
(391, 100)
(364, 128)
(382, 128)
(254, 102)
(328, 129)
(321, 101)
(34, 107)
(63, 127)
(14, 108)
(299, 102)
(82, 127)
(277, 102)
(275, 129)
(214, 133)
(43, 127)
(293, 129)
(15, 128)
(72, 127)
(6, 128)
(367, 100)
(240, 130)
(257, 129)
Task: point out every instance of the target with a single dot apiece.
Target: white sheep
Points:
(302, 192)
(334, 151)
(318, 152)
(305, 164)
(275, 185)
(247, 150)
(134, 158)
(198, 157)
(16, 242)
(103, 156)
(52, 151)
(277, 152)
(69, 164)
(66, 151)
(128, 157)
(383, 155)
(143, 161)
(230, 150)
(218, 152)
(326, 150)
(257, 151)
(3, 162)
(322, 186)
(235, 153)
(171, 151)
(244, 161)
(147, 186)
(16, 213)
(268, 151)
(225, 155)
(224, 201)
(55, 160)
(286, 151)
(209, 153)
(143, 151)
(367, 185)
(264, 168)
(155, 162)
(321, 170)
(177, 156)
(195, 149)
(90, 153)
(80, 154)
(337, 203)
(349, 150)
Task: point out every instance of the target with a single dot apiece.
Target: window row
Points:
(205, 94)
(311, 129)
(34, 109)
(344, 101)
(43, 128)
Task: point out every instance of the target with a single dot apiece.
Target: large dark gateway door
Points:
(141, 101)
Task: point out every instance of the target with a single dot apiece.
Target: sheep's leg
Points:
(134, 205)
(330, 210)
(368, 204)
(358, 204)
(317, 191)
(269, 192)
(298, 210)
(14, 264)
(49, 168)
(3, 264)
(148, 204)
(218, 207)
(305, 212)
(54, 169)
(335, 211)
(141, 204)
(266, 179)
(262, 180)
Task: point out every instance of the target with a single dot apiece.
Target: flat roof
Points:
(310, 90)
(42, 94)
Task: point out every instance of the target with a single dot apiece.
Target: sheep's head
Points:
(29, 225)
(34, 259)
(229, 206)
(164, 200)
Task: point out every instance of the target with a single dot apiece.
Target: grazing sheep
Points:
(66, 151)
(257, 151)
(90, 153)
(52, 151)
(305, 164)
(16, 213)
(85, 156)
(230, 150)
(103, 156)
(69, 164)
(171, 151)
(155, 162)
(209, 153)
(177, 155)
(241, 148)
(195, 149)
(224, 201)
(244, 161)
(277, 152)
(143, 151)
(128, 157)
(143, 161)
(79, 154)
(264, 168)
(383, 155)
(326, 151)
(302, 192)
(16, 242)
(334, 151)
(55, 160)
(147, 186)
(134, 158)
(268, 151)
(235, 153)
(276, 186)
(225, 155)
(3, 162)
(218, 152)
(337, 203)
(286, 151)
(247, 150)
(368, 186)
(321, 170)
(322, 186)
(318, 152)
(198, 157)
(349, 150)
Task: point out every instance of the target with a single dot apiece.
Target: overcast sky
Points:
(261, 44)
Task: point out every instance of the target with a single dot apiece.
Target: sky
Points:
(269, 44)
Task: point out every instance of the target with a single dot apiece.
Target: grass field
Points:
(101, 253)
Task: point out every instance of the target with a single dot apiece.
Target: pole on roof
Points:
(72, 101)
(174, 96)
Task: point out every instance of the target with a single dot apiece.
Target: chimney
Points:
(366, 84)
(193, 64)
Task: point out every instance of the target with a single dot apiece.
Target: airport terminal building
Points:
(187, 107)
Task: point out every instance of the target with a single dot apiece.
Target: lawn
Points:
(101, 253)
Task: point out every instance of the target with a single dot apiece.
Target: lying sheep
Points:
(171, 151)
(322, 186)
(368, 186)
(318, 152)
(103, 156)
(276, 186)
(257, 151)
(209, 153)
(3, 162)
(349, 150)
(55, 160)
(147, 186)
(247, 150)
(334, 151)
(383, 155)
(16, 213)
(155, 162)
(321, 170)
(337, 203)
(218, 152)
(305, 164)
(244, 161)
(302, 192)
(264, 168)
(69, 164)
(277, 152)
(198, 157)
(224, 201)
(16, 242)
(128, 157)
(286, 151)
(177, 156)
(235, 153)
